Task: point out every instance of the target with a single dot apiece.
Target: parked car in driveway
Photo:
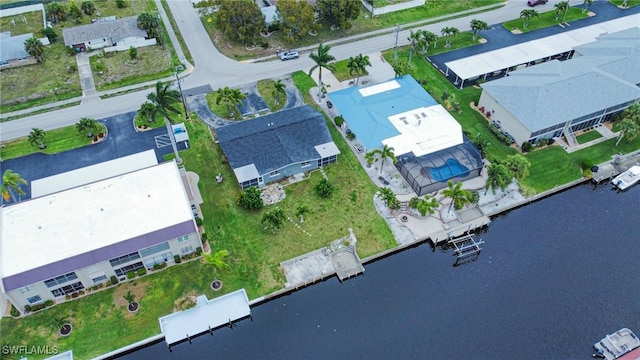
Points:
(533, 3)
(290, 54)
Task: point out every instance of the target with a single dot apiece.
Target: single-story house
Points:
(558, 98)
(123, 33)
(428, 142)
(12, 51)
(70, 240)
(278, 145)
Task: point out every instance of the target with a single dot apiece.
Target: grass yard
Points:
(54, 79)
(630, 3)
(546, 19)
(57, 141)
(17, 26)
(118, 70)
(222, 110)
(159, 119)
(265, 89)
(588, 136)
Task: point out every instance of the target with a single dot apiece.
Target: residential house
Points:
(278, 145)
(557, 98)
(107, 33)
(427, 141)
(12, 51)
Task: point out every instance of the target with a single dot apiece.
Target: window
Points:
(99, 279)
(274, 173)
(124, 259)
(34, 299)
(306, 163)
(183, 239)
(133, 267)
(67, 289)
(154, 249)
(186, 250)
(158, 259)
(26, 289)
(60, 279)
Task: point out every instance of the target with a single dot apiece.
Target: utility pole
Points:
(395, 48)
(184, 104)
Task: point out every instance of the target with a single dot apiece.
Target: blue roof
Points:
(274, 141)
(367, 116)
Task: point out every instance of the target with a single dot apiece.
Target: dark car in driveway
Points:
(533, 3)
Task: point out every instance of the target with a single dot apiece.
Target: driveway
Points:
(121, 140)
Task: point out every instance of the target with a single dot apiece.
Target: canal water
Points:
(554, 277)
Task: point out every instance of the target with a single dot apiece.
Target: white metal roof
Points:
(327, 149)
(246, 173)
(89, 174)
(478, 65)
(379, 88)
(51, 228)
(204, 317)
(424, 130)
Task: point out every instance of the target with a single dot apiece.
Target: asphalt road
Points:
(214, 69)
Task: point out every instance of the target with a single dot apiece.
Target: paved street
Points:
(215, 70)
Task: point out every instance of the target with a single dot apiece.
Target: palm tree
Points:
(518, 166)
(273, 219)
(36, 137)
(478, 25)
(449, 32)
(386, 152)
(498, 176)
(11, 183)
(279, 89)
(561, 8)
(586, 4)
(628, 128)
(217, 260)
(34, 47)
(370, 158)
(389, 197)
(229, 97)
(526, 15)
(358, 66)
(459, 196)
(164, 100)
(414, 39)
(301, 211)
(87, 125)
(88, 7)
(323, 59)
(425, 41)
(428, 205)
(147, 112)
(399, 70)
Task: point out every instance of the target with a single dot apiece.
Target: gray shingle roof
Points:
(12, 47)
(116, 30)
(276, 140)
(550, 93)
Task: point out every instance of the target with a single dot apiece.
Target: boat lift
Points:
(466, 248)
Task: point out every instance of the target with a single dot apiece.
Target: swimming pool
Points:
(450, 169)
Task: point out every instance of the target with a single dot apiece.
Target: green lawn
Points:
(17, 26)
(630, 3)
(265, 89)
(159, 119)
(57, 141)
(588, 136)
(545, 19)
(222, 110)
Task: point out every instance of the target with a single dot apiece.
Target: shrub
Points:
(121, 4)
(526, 146)
(48, 303)
(131, 274)
(324, 188)
(198, 221)
(586, 164)
(543, 142)
(38, 307)
(14, 312)
(199, 251)
(81, 292)
(351, 136)
(177, 259)
(250, 198)
(159, 266)
(475, 197)
(27, 308)
(413, 203)
(67, 297)
(204, 237)
(338, 120)
(142, 272)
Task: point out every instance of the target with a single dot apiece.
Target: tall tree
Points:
(87, 126)
(389, 197)
(526, 15)
(399, 70)
(36, 137)
(11, 183)
(358, 66)
(386, 152)
(88, 7)
(297, 18)
(449, 32)
(586, 5)
(517, 165)
(73, 11)
(414, 39)
(322, 59)
(240, 20)
(459, 196)
(50, 34)
(165, 99)
(273, 219)
(150, 23)
(339, 12)
(147, 112)
(498, 176)
(630, 124)
(230, 97)
(426, 40)
(56, 12)
(561, 9)
(279, 90)
(301, 211)
(34, 47)
(476, 26)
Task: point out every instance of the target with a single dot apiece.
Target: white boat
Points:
(627, 178)
(616, 345)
